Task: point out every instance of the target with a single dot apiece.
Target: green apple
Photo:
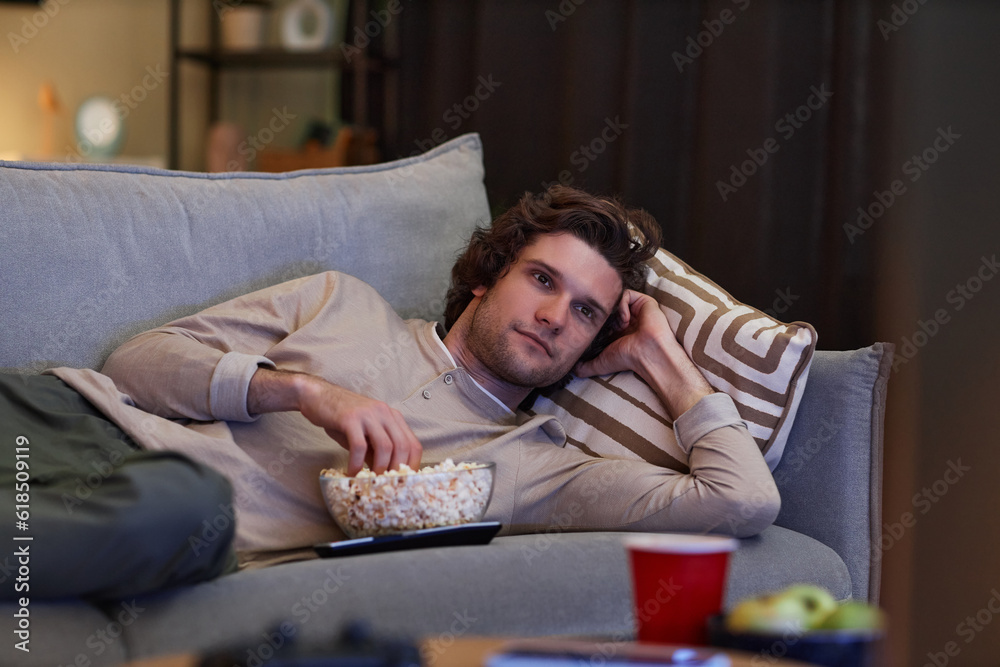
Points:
(767, 614)
(854, 615)
(817, 603)
(798, 608)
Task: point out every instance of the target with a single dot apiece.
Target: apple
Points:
(797, 608)
(768, 614)
(816, 601)
(854, 615)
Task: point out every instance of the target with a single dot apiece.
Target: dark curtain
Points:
(751, 129)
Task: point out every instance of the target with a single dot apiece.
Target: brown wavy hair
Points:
(625, 237)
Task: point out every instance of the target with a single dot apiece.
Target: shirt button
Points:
(448, 379)
(426, 394)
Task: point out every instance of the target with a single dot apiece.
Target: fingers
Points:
(639, 316)
(408, 449)
(624, 312)
(383, 440)
(415, 453)
(599, 365)
(371, 431)
(357, 448)
(381, 448)
(404, 447)
(631, 308)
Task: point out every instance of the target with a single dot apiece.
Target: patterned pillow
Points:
(760, 362)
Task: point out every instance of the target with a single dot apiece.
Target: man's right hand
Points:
(647, 345)
(370, 430)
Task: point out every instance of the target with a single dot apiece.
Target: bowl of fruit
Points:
(803, 622)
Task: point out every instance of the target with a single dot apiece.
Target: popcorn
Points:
(406, 499)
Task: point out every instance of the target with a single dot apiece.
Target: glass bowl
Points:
(445, 495)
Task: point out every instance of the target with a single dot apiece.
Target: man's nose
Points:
(553, 313)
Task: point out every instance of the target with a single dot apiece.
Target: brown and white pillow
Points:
(760, 362)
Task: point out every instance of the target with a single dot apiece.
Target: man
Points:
(263, 388)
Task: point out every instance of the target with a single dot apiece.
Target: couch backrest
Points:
(91, 255)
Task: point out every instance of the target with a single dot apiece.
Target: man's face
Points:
(531, 327)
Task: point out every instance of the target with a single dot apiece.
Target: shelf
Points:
(366, 91)
(280, 58)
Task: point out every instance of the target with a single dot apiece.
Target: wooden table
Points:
(465, 652)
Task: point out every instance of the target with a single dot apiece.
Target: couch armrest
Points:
(830, 476)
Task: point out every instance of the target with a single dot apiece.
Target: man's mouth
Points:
(536, 339)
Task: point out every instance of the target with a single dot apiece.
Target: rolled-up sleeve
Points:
(712, 412)
(231, 383)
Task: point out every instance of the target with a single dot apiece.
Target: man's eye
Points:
(543, 279)
(587, 312)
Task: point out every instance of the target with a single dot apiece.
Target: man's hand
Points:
(648, 347)
(368, 429)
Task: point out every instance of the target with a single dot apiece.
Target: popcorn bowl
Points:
(370, 505)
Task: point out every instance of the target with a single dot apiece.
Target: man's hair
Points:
(626, 238)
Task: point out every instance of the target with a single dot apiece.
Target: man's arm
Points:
(370, 430)
(729, 488)
(199, 366)
(214, 365)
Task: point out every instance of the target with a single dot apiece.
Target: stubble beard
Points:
(489, 341)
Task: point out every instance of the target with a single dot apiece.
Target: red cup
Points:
(678, 581)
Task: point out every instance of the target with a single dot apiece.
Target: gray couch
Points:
(92, 255)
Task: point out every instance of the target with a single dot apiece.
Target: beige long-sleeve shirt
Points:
(184, 387)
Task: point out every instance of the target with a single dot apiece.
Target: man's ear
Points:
(479, 291)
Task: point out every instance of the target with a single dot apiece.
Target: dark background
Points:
(677, 126)
(779, 241)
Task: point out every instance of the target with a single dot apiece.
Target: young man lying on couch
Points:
(249, 395)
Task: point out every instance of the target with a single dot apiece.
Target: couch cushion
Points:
(762, 363)
(94, 254)
(779, 557)
(572, 583)
(68, 633)
(526, 584)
